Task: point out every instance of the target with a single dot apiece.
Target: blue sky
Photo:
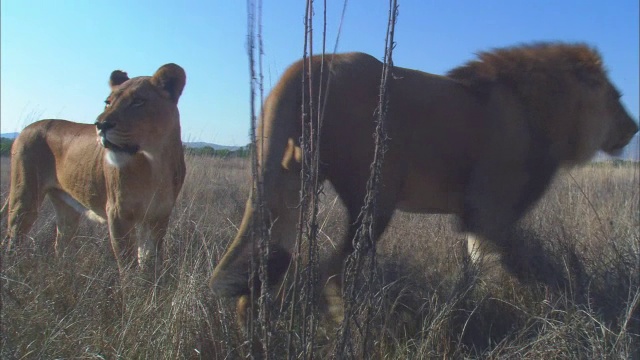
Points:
(56, 56)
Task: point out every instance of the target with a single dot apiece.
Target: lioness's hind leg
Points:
(67, 220)
(22, 213)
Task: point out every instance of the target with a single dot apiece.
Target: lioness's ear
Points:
(171, 78)
(117, 78)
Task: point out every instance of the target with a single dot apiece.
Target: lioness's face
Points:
(140, 112)
(622, 127)
(136, 113)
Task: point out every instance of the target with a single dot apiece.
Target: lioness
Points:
(131, 175)
(482, 142)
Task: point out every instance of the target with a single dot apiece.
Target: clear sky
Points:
(56, 56)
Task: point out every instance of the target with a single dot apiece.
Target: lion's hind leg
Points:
(333, 270)
(67, 218)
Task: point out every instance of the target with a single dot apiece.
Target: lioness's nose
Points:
(104, 125)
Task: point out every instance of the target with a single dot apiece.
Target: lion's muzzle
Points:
(628, 130)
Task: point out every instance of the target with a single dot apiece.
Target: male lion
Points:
(131, 175)
(482, 142)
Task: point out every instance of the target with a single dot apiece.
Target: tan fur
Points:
(482, 143)
(135, 181)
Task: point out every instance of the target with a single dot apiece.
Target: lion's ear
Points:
(172, 79)
(117, 78)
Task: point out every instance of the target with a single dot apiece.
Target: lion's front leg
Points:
(498, 195)
(481, 250)
(491, 208)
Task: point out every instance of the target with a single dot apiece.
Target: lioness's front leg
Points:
(122, 235)
(150, 243)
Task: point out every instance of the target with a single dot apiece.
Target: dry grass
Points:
(584, 237)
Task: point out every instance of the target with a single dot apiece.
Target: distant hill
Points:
(12, 135)
(198, 145)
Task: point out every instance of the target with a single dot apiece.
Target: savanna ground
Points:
(432, 303)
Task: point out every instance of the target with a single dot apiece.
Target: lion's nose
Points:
(104, 126)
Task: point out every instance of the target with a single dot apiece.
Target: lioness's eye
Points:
(137, 102)
(107, 103)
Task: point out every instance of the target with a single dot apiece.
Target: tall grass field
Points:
(584, 235)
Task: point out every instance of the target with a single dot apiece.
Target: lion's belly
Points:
(422, 193)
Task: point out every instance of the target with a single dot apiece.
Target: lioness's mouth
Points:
(128, 149)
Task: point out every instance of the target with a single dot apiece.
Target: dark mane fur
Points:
(530, 63)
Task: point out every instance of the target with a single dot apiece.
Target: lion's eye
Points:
(137, 102)
(616, 94)
(107, 103)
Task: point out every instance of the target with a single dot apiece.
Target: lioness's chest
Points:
(143, 188)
